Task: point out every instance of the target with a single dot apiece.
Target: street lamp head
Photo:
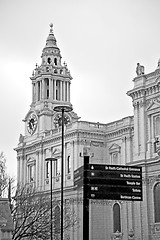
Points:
(63, 108)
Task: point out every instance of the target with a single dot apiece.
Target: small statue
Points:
(139, 69)
(21, 138)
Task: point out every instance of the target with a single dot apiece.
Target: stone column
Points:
(51, 88)
(36, 88)
(40, 89)
(54, 89)
(61, 91)
(37, 169)
(41, 169)
(150, 137)
(33, 92)
(67, 91)
(64, 92)
(136, 127)
(142, 128)
(25, 169)
(18, 168)
(43, 89)
(123, 150)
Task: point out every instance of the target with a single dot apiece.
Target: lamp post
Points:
(62, 109)
(50, 160)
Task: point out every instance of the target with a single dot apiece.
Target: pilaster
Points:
(136, 129)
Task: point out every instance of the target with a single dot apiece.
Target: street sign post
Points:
(114, 182)
(100, 181)
(117, 182)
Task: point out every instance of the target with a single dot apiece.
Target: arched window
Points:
(157, 202)
(57, 220)
(49, 60)
(116, 218)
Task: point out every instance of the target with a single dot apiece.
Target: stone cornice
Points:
(141, 92)
(120, 132)
(78, 131)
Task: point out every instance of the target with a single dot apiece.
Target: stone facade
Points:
(133, 140)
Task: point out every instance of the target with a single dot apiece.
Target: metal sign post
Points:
(85, 202)
(101, 181)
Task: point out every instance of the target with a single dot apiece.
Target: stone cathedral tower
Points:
(132, 140)
(50, 87)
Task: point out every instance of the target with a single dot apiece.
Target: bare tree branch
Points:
(31, 215)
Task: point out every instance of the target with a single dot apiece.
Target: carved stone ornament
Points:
(136, 105)
(97, 144)
(117, 235)
(155, 228)
(131, 234)
(151, 180)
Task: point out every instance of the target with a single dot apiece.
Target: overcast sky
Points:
(101, 41)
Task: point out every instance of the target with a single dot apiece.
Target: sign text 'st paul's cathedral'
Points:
(130, 141)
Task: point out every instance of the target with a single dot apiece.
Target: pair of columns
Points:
(52, 89)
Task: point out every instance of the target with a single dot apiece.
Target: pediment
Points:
(31, 160)
(154, 105)
(114, 148)
(53, 153)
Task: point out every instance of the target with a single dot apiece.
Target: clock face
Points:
(58, 120)
(32, 123)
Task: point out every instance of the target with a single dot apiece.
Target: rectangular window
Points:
(114, 158)
(57, 167)
(47, 169)
(31, 173)
(68, 164)
(38, 91)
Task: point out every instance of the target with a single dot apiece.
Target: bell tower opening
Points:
(55, 61)
(49, 60)
(47, 88)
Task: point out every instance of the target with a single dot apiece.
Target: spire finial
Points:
(51, 26)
